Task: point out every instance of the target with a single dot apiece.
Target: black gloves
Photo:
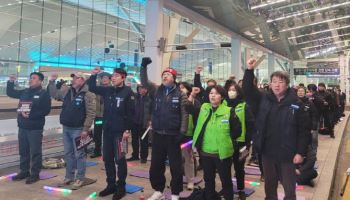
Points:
(146, 61)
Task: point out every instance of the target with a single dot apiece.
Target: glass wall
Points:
(195, 44)
(77, 34)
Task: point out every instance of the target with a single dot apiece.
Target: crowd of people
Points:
(277, 123)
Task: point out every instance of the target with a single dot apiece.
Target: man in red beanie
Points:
(169, 123)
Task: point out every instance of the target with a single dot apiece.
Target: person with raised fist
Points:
(204, 94)
(119, 104)
(77, 116)
(104, 80)
(169, 123)
(281, 136)
(34, 105)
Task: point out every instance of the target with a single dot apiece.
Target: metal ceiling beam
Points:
(200, 19)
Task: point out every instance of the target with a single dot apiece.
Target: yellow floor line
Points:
(346, 195)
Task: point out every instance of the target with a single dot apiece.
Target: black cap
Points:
(321, 85)
(41, 76)
(101, 75)
(120, 71)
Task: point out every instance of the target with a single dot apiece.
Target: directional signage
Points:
(317, 71)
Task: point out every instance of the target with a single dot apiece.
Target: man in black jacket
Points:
(281, 135)
(34, 105)
(326, 110)
(169, 123)
(141, 123)
(119, 102)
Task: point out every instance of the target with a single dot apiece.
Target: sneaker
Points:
(77, 184)
(119, 194)
(190, 186)
(20, 176)
(241, 195)
(32, 179)
(107, 191)
(157, 196)
(143, 161)
(132, 159)
(175, 197)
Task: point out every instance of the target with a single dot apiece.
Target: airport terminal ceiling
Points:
(297, 29)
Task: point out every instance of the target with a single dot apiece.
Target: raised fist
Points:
(146, 61)
(195, 90)
(251, 63)
(199, 69)
(96, 70)
(12, 78)
(54, 76)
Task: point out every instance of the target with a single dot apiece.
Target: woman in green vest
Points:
(235, 100)
(213, 138)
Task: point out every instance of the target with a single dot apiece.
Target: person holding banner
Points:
(34, 105)
(119, 103)
(77, 116)
(169, 123)
(142, 120)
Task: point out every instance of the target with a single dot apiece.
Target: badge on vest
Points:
(175, 100)
(118, 101)
(36, 96)
(224, 121)
(78, 101)
(294, 107)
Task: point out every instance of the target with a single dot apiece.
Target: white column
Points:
(270, 64)
(236, 58)
(291, 73)
(153, 32)
(344, 75)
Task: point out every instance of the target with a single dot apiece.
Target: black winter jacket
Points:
(119, 106)
(40, 106)
(282, 127)
(169, 114)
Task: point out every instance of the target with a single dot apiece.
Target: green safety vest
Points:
(240, 112)
(219, 124)
(190, 126)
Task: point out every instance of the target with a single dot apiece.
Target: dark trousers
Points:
(136, 140)
(239, 166)
(328, 123)
(283, 171)
(306, 177)
(30, 150)
(98, 128)
(163, 147)
(111, 159)
(210, 165)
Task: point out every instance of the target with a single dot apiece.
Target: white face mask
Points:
(232, 94)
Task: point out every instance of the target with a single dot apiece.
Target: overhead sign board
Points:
(317, 71)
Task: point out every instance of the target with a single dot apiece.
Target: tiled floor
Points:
(10, 190)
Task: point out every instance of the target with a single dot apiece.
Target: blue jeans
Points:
(30, 150)
(75, 160)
